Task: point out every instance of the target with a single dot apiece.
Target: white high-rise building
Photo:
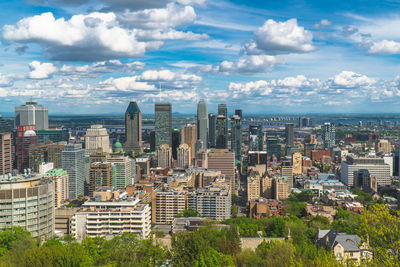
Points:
(32, 114)
(97, 138)
(164, 156)
(123, 170)
(184, 158)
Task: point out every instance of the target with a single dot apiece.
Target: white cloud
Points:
(250, 88)
(275, 38)
(41, 70)
(351, 79)
(323, 23)
(385, 47)
(250, 64)
(99, 36)
(100, 67)
(5, 80)
(126, 84)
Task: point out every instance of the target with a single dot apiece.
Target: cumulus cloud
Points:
(92, 70)
(384, 47)
(5, 80)
(100, 36)
(250, 64)
(323, 23)
(275, 38)
(349, 79)
(41, 70)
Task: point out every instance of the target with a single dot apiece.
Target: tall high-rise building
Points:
(73, 161)
(289, 132)
(60, 181)
(48, 152)
(4, 126)
(101, 174)
(287, 172)
(328, 134)
(189, 137)
(221, 132)
(164, 156)
(176, 140)
(222, 110)
(163, 124)
(97, 138)
(274, 147)
(239, 113)
(212, 120)
(202, 122)
(133, 128)
(280, 188)
(123, 170)
(166, 204)
(5, 153)
(297, 162)
(152, 141)
(184, 159)
(32, 114)
(236, 136)
(256, 138)
(26, 136)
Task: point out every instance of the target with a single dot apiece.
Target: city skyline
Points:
(186, 50)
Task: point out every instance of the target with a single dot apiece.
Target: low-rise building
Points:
(263, 207)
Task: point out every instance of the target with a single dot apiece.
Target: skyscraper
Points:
(255, 138)
(189, 137)
(274, 147)
(176, 140)
(221, 132)
(133, 128)
(164, 156)
(238, 112)
(236, 136)
(184, 159)
(97, 138)
(328, 134)
(73, 161)
(211, 129)
(101, 174)
(32, 114)
(163, 124)
(4, 126)
(202, 122)
(26, 136)
(289, 132)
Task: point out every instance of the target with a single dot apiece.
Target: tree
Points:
(234, 211)
(188, 213)
(9, 236)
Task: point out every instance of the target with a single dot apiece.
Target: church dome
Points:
(117, 144)
(30, 133)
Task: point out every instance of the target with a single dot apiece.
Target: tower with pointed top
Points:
(133, 128)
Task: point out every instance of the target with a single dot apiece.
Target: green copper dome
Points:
(117, 144)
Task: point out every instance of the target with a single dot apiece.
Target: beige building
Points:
(28, 201)
(184, 156)
(101, 174)
(383, 146)
(60, 181)
(166, 204)
(63, 218)
(287, 172)
(280, 188)
(48, 152)
(164, 156)
(189, 137)
(123, 170)
(266, 187)
(297, 163)
(219, 160)
(211, 202)
(253, 186)
(5, 153)
(110, 218)
(97, 137)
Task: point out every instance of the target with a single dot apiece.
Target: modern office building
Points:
(48, 152)
(328, 134)
(110, 218)
(202, 123)
(304, 122)
(189, 137)
(221, 133)
(124, 175)
(164, 156)
(53, 135)
(236, 137)
(152, 140)
(133, 128)
(60, 181)
(287, 172)
(239, 112)
(184, 158)
(101, 174)
(4, 126)
(176, 141)
(32, 114)
(256, 138)
(289, 133)
(163, 124)
(73, 161)
(211, 202)
(274, 147)
(28, 201)
(212, 120)
(26, 137)
(166, 204)
(6, 153)
(396, 162)
(97, 138)
(375, 166)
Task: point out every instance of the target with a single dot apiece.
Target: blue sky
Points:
(84, 56)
